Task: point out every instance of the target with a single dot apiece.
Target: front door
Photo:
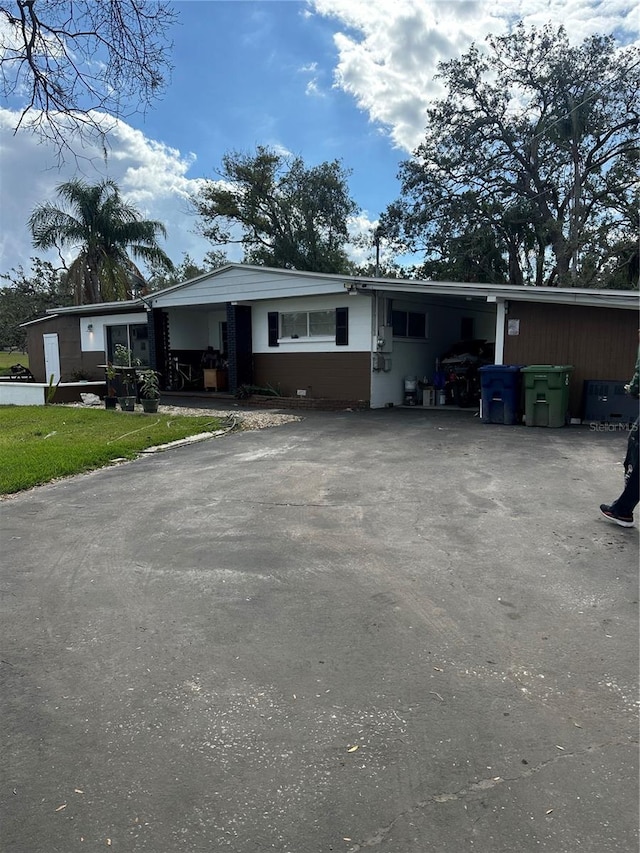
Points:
(51, 358)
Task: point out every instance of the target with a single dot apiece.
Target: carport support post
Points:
(157, 324)
(501, 319)
(151, 332)
(240, 347)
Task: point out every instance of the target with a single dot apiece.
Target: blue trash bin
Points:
(501, 393)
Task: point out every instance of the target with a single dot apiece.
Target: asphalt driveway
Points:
(403, 631)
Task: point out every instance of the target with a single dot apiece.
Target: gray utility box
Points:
(606, 401)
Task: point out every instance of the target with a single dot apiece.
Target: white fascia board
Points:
(38, 320)
(601, 299)
(100, 308)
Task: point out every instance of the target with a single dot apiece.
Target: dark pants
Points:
(628, 500)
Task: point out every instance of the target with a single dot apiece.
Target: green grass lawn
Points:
(41, 443)
(8, 359)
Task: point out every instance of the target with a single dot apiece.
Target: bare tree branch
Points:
(63, 62)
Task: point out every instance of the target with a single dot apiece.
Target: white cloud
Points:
(151, 176)
(313, 88)
(389, 50)
(360, 247)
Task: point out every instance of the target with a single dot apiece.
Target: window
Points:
(308, 324)
(133, 336)
(409, 324)
(332, 323)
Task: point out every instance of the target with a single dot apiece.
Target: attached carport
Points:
(447, 313)
(594, 331)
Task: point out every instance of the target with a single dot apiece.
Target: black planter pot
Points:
(110, 402)
(127, 404)
(149, 406)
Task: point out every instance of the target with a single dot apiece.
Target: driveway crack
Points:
(475, 788)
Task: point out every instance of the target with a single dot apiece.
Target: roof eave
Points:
(568, 296)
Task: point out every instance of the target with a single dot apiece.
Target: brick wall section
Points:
(239, 342)
(151, 326)
(323, 375)
(158, 323)
(232, 364)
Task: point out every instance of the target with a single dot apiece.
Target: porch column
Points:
(501, 319)
(240, 346)
(158, 325)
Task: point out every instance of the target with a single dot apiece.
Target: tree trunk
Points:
(562, 251)
(515, 268)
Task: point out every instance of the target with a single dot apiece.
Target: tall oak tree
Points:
(535, 144)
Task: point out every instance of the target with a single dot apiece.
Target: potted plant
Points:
(110, 399)
(126, 366)
(149, 390)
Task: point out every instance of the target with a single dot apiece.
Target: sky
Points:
(322, 79)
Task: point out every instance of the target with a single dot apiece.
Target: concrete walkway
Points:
(402, 631)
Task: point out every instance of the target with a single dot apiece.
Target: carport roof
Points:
(501, 292)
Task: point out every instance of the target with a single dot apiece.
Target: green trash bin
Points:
(546, 394)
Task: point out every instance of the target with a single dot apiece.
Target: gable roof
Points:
(248, 283)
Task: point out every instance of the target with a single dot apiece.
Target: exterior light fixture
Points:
(90, 327)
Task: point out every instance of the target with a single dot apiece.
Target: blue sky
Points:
(265, 76)
(323, 79)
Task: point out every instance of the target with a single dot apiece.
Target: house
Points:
(342, 340)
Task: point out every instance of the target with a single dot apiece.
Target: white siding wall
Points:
(188, 329)
(195, 329)
(96, 340)
(418, 358)
(409, 358)
(245, 285)
(359, 323)
(214, 318)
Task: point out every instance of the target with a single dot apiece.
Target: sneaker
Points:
(622, 520)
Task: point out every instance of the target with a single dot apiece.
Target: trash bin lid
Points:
(547, 368)
(511, 367)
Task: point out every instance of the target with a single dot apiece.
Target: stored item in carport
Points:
(460, 365)
(605, 401)
(410, 390)
(429, 396)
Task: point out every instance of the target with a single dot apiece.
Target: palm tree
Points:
(106, 230)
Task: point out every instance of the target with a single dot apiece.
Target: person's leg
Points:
(628, 500)
(621, 510)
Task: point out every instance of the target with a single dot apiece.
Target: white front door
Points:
(51, 358)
